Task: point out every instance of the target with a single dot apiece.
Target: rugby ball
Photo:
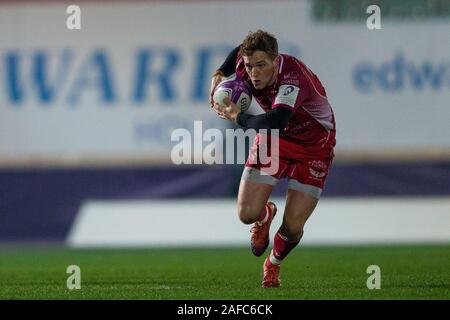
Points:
(236, 90)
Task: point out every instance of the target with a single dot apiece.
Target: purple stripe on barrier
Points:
(389, 180)
(40, 205)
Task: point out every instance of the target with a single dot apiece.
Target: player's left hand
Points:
(230, 111)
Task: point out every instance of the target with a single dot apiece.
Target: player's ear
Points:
(277, 60)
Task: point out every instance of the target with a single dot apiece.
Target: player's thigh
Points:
(299, 207)
(252, 198)
(306, 180)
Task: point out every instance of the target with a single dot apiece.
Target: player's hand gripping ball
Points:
(236, 90)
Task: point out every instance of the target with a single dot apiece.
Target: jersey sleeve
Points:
(240, 68)
(292, 92)
(229, 65)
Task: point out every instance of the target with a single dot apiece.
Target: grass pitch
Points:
(407, 272)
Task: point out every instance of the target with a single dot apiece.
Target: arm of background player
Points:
(229, 66)
(277, 118)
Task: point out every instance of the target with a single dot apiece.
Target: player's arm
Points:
(224, 71)
(277, 118)
(286, 101)
(229, 65)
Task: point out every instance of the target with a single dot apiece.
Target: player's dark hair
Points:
(262, 41)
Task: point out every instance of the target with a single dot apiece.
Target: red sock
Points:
(281, 248)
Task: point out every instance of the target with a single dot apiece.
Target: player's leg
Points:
(299, 207)
(257, 183)
(255, 187)
(252, 198)
(306, 180)
(253, 206)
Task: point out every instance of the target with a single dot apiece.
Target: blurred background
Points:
(86, 118)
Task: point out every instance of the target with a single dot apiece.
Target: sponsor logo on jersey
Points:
(294, 82)
(288, 90)
(317, 169)
(287, 94)
(291, 76)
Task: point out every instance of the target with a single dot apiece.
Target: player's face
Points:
(261, 69)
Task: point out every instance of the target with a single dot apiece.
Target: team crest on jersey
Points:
(291, 78)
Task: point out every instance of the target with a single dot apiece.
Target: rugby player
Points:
(295, 103)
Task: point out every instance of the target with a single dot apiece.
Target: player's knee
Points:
(246, 214)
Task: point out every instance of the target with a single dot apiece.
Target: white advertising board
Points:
(135, 71)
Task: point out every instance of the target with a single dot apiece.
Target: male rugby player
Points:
(296, 104)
